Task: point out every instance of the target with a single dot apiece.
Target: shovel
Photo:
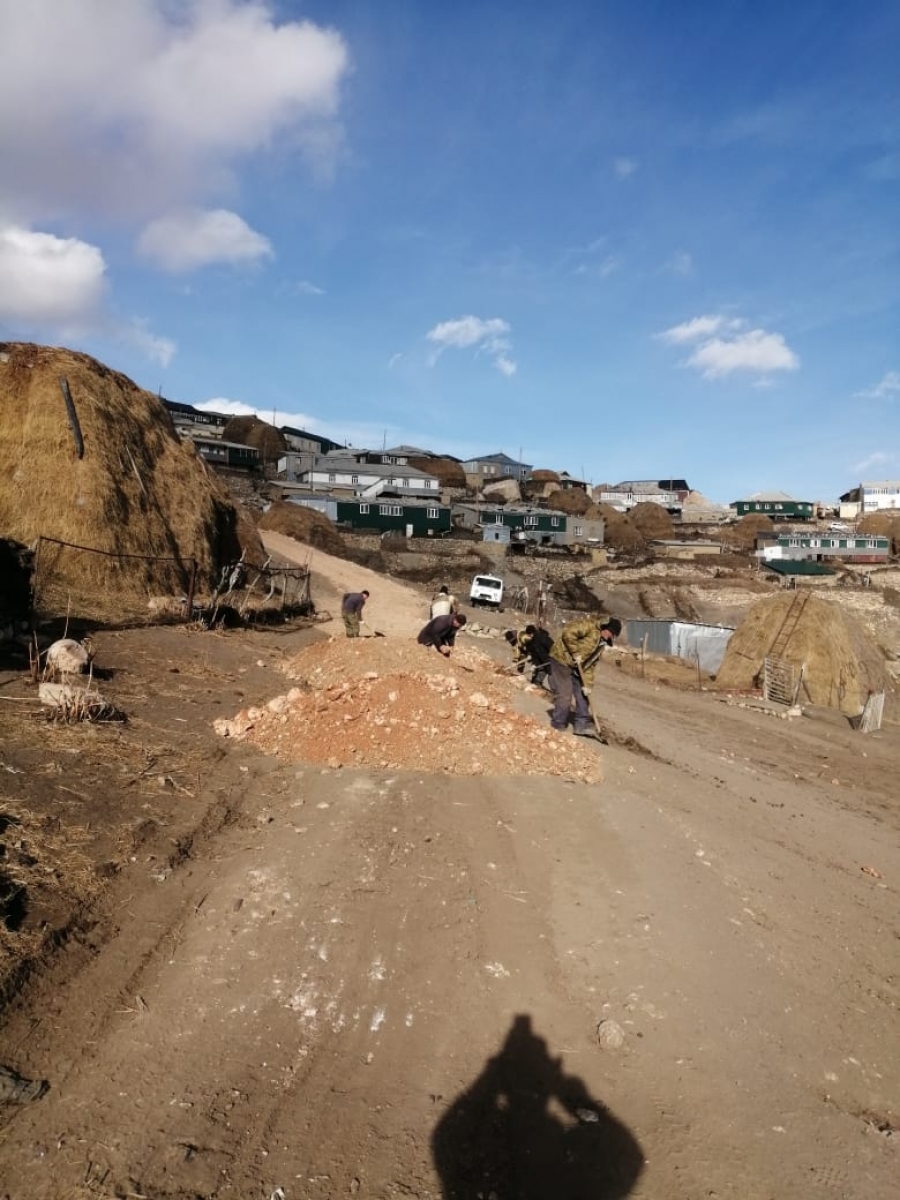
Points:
(587, 695)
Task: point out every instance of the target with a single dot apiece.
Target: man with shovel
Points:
(573, 656)
(352, 607)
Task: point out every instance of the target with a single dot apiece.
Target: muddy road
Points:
(361, 983)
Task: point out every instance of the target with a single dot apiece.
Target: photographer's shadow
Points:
(525, 1130)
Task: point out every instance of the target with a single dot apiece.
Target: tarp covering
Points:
(682, 639)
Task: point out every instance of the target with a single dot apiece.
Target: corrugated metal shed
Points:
(682, 639)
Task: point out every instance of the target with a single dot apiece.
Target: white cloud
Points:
(143, 107)
(697, 329)
(188, 240)
(681, 263)
(490, 336)
(886, 389)
(625, 167)
(49, 280)
(878, 459)
(723, 346)
(231, 408)
(306, 288)
(158, 349)
(756, 350)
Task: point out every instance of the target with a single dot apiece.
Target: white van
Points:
(488, 590)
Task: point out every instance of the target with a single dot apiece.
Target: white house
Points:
(876, 496)
(331, 473)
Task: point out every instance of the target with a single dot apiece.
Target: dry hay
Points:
(884, 523)
(842, 664)
(620, 531)
(573, 501)
(743, 533)
(303, 525)
(251, 431)
(447, 471)
(651, 520)
(390, 704)
(544, 476)
(138, 489)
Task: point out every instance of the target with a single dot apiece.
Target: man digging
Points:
(573, 657)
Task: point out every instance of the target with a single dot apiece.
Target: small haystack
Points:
(303, 525)
(263, 437)
(116, 479)
(573, 501)
(651, 520)
(620, 532)
(447, 471)
(842, 665)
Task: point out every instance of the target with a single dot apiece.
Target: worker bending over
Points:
(440, 632)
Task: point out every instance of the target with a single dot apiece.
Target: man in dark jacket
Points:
(440, 632)
(351, 610)
(532, 644)
(572, 658)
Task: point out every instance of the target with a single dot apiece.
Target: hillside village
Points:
(246, 859)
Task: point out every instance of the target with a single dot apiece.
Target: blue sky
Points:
(627, 240)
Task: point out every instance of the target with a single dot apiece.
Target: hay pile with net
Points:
(651, 520)
(842, 665)
(118, 479)
(303, 525)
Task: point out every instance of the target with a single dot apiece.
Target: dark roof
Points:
(797, 566)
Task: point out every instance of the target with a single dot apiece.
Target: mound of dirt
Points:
(651, 520)
(303, 525)
(390, 704)
(112, 475)
(887, 524)
(842, 666)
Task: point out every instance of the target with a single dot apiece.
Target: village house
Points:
(778, 506)
(816, 547)
(403, 515)
(668, 493)
(522, 525)
(481, 472)
(350, 472)
(881, 495)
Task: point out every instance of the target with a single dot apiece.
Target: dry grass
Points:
(842, 663)
(138, 489)
(651, 520)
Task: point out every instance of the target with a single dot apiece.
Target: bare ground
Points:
(389, 983)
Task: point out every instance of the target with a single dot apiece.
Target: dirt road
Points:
(384, 984)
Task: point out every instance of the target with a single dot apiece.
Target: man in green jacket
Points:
(573, 656)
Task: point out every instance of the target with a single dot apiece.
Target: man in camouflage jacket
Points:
(573, 656)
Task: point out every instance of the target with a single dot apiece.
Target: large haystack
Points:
(842, 664)
(303, 525)
(125, 483)
(651, 520)
(885, 523)
(743, 533)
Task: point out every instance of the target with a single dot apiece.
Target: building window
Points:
(396, 510)
(433, 514)
(384, 510)
(332, 478)
(531, 521)
(363, 509)
(354, 479)
(498, 518)
(578, 531)
(554, 521)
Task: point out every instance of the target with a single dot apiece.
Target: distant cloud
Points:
(680, 263)
(490, 336)
(48, 280)
(723, 346)
(887, 389)
(305, 288)
(625, 167)
(231, 408)
(149, 106)
(697, 329)
(878, 459)
(394, 359)
(186, 241)
(158, 349)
